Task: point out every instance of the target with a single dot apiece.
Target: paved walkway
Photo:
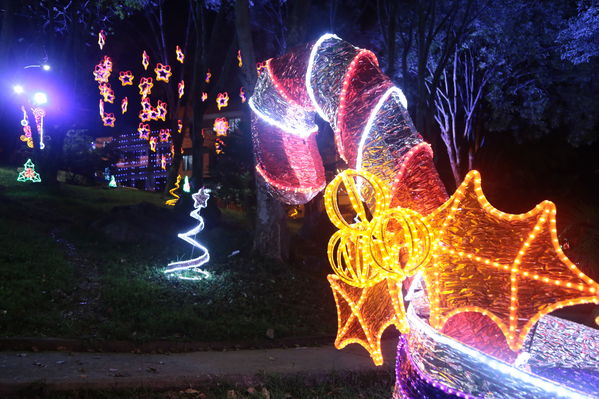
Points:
(71, 371)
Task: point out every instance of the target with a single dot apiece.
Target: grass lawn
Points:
(87, 262)
(349, 385)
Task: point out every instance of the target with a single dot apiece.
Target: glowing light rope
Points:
(145, 60)
(179, 126)
(192, 265)
(208, 76)
(173, 201)
(38, 115)
(180, 55)
(26, 136)
(221, 126)
(186, 185)
(371, 119)
(204, 96)
(298, 132)
(144, 131)
(126, 78)
(309, 88)
(29, 173)
(222, 100)
(242, 95)
(164, 134)
(181, 88)
(239, 59)
(124, 105)
(101, 39)
(163, 72)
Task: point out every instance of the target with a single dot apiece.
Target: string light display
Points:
(190, 269)
(181, 88)
(124, 105)
(101, 39)
(222, 100)
(126, 78)
(29, 173)
(242, 95)
(180, 55)
(101, 108)
(172, 191)
(139, 166)
(204, 96)
(221, 126)
(186, 185)
(239, 59)
(26, 136)
(163, 162)
(179, 126)
(145, 60)
(163, 72)
(112, 182)
(208, 76)
(490, 276)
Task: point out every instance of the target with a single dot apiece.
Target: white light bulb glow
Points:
(309, 88)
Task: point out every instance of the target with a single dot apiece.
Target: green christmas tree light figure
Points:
(112, 182)
(29, 173)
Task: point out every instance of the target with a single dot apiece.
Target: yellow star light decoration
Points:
(473, 257)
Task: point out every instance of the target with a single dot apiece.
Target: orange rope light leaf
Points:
(505, 266)
(364, 314)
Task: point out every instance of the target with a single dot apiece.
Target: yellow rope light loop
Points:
(361, 187)
(350, 260)
(401, 242)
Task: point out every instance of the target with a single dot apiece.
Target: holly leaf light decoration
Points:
(29, 173)
(508, 267)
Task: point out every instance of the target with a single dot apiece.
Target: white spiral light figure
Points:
(200, 201)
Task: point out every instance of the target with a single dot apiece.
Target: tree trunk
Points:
(271, 236)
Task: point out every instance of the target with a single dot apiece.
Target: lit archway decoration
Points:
(474, 259)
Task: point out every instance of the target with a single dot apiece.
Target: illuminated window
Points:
(187, 162)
